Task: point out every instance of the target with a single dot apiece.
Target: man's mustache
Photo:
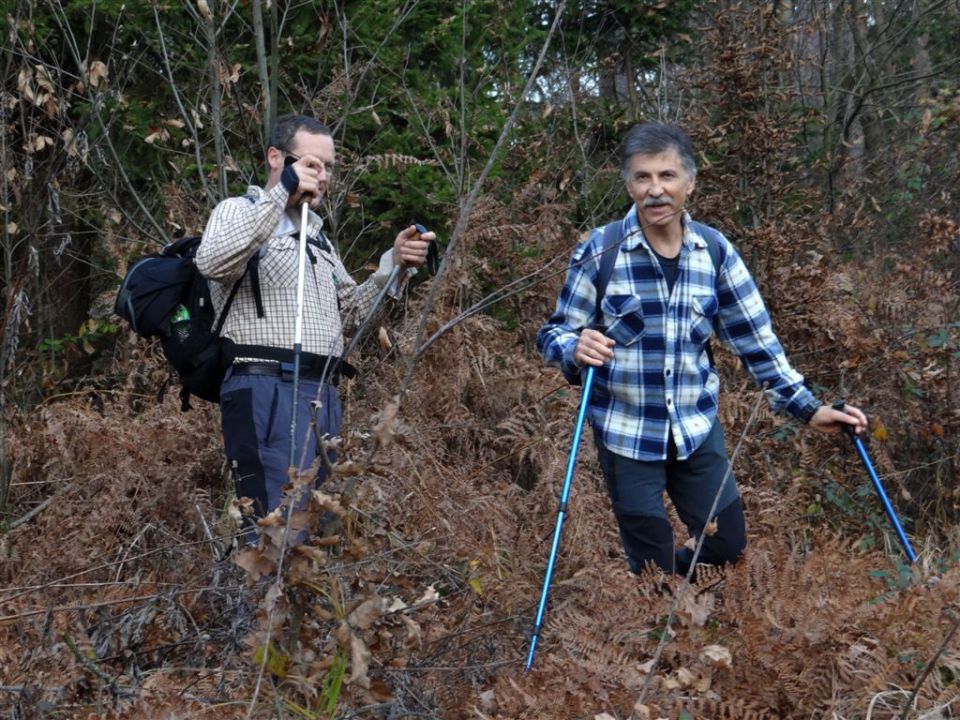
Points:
(653, 202)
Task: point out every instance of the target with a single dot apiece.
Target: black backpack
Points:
(612, 236)
(165, 296)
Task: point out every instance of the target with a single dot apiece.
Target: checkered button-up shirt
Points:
(660, 380)
(258, 222)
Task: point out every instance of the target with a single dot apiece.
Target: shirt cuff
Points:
(569, 363)
(384, 271)
(806, 408)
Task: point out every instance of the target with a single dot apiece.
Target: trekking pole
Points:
(887, 507)
(564, 495)
(298, 329)
(362, 329)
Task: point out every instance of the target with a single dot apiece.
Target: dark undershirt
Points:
(670, 267)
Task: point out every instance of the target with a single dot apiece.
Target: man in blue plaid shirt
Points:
(654, 400)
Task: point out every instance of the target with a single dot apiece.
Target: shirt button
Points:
(669, 401)
(667, 372)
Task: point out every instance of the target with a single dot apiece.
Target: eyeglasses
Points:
(289, 159)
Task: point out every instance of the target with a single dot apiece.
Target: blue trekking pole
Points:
(887, 507)
(564, 495)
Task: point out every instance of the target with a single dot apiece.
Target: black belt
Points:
(273, 369)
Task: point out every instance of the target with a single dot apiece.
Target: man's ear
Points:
(274, 158)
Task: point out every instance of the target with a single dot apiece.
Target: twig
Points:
(20, 592)
(467, 208)
(665, 638)
(215, 100)
(104, 603)
(183, 112)
(929, 668)
(89, 665)
(33, 513)
(262, 72)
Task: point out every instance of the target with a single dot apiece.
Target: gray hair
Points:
(653, 138)
(286, 126)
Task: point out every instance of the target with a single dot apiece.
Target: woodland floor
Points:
(121, 597)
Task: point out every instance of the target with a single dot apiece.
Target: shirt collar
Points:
(633, 236)
(314, 221)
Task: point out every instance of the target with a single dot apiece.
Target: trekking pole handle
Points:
(844, 427)
(362, 328)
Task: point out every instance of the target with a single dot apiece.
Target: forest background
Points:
(828, 138)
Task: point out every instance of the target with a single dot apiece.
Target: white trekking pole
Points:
(298, 329)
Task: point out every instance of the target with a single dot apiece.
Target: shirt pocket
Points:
(278, 263)
(623, 316)
(703, 311)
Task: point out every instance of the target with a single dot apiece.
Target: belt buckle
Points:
(286, 371)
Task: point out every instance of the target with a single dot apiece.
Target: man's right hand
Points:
(312, 175)
(593, 348)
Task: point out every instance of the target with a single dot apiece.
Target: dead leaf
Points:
(488, 701)
(204, 9)
(25, 84)
(396, 605)
(255, 564)
(717, 656)
(879, 431)
(160, 134)
(711, 529)
(366, 613)
(604, 716)
(97, 73)
(359, 663)
(349, 468)
(328, 503)
(431, 595)
(686, 677)
(414, 631)
(383, 337)
(383, 430)
(695, 610)
(12, 228)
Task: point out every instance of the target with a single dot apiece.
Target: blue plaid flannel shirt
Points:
(660, 379)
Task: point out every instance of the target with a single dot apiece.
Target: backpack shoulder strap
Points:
(712, 239)
(612, 236)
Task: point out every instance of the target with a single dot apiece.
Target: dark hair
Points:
(653, 138)
(286, 126)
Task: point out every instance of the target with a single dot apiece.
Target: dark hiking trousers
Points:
(636, 494)
(255, 417)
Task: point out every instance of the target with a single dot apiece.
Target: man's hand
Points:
(410, 247)
(826, 419)
(593, 348)
(312, 175)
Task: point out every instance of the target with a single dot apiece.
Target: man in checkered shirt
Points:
(256, 397)
(653, 405)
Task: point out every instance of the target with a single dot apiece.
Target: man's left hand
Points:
(410, 247)
(826, 419)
